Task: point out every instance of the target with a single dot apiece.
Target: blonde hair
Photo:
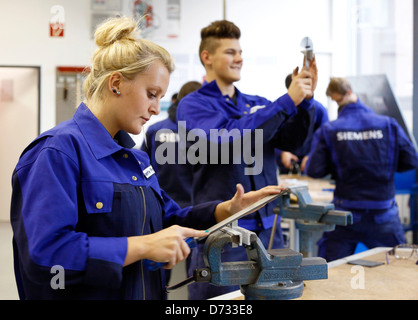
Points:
(120, 50)
(338, 85)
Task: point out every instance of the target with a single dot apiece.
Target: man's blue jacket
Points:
(362, 150)
(161, 145)
(280, 124)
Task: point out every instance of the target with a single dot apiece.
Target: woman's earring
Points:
(115, 91)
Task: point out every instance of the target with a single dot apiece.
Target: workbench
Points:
(397, 280)
(321, 190)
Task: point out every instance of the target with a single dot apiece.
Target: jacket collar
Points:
(212, 89)
(96, 135)
(354, 107)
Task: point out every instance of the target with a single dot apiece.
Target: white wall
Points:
(25, 40)
(272, 31)
(271, 35)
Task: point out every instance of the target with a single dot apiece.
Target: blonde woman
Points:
(87, 209)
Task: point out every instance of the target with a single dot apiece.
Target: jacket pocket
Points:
(98, 196)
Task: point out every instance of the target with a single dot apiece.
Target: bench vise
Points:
(310, 216)
(274, 275)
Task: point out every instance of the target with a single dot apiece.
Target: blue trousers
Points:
(342, 241)
(205, 290)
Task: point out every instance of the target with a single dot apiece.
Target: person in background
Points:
(220, 107)
(289, 162)
(174, 178)
(87, 205)
(362, 151)
(174, 98)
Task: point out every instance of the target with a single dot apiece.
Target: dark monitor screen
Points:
(376, 92)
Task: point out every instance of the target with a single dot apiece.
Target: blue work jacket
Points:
(282, 126)
(77, 195)
(362, 150)
(321, 117)
(161, 141)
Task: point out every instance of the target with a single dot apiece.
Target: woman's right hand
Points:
(167, 245)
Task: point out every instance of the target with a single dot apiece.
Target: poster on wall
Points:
(57, 21)
(102, 10)
(148, 20)
(173, 18)
(106, 5)
(158, 19)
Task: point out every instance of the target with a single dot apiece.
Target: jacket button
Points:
(125, 155)
(134, 178)
(99, 205)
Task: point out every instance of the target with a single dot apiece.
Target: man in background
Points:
(362, 151)
(174, 178)
(220, 106)
(295, 163)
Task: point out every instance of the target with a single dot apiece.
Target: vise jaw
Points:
(274, 275)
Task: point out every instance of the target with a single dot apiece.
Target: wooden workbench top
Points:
(397, 280)
(321, 190)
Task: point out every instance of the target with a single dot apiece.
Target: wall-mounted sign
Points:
(57, 21)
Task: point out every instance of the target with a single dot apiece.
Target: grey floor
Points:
(8, 289)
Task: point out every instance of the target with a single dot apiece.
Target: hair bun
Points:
(115, 29)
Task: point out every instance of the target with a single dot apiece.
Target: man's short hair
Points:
(338, 85)
(221, 29)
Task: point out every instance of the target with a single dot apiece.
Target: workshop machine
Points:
(276, 274)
